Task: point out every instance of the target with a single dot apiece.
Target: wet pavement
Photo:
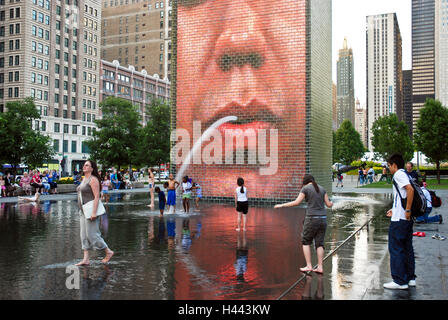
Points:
(201, 256)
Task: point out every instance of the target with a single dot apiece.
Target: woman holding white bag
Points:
(89, 191)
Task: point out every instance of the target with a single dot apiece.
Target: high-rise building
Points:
(135, 86)
(384, 68)
(345, 86)
(423, 55)
(361, 122)
(138, 33)
(50, 50)
(407, 100)
(441, 50)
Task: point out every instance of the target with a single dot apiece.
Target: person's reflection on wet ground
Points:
(171, 231)
(161, 233)
(104, 224)
(8, 210)
(409, 294)
(187, 235)
(242, 252)
(198, 229)
(319, 294)
(150, 229)
(92, 287)
(47, 206)
(115, 196)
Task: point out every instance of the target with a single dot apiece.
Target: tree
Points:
(347, 144)
(155, 143)
(431, 136)
(391, 136)
(116, 142)
(20, 143)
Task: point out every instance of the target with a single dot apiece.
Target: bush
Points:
(368, 164)
(65, 180)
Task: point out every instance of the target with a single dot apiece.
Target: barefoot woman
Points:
(315, 222)
(90, 189)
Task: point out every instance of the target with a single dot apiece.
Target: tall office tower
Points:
(50, 50)
(334, 107)
(138, 33)
(361, 122)
(441, 48)
(384, 68)
(407, 100)
(345, 86)
(423, 55)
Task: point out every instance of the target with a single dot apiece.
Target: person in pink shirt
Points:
(25, 183)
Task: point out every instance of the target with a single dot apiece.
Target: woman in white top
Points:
(241, 203)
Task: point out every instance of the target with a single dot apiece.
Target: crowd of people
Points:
(366, 175)
(42, 182)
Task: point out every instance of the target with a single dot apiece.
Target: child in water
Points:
(186, 194)
(241, 203)
(162, 200)
(171, 200)
(197, 187)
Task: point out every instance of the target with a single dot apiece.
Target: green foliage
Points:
(155, 142)
(370, 164)
(391, 136)
(117, 140)
(347, 144)
(431, 136)
(20, 143)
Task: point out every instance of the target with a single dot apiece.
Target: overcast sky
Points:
(349, 20)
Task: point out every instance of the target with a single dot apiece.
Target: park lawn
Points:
(432, 184)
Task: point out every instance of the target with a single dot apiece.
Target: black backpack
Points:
(418, 203)
(435, 200)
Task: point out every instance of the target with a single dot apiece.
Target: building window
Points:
(56, 145)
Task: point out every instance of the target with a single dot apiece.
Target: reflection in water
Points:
(104, 224)
(161, 233)
(93, 285)
(171, 230)
(187, 235)
(242, 253)
(179, 256)
(319, 294)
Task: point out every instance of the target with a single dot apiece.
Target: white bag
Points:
(87, 208)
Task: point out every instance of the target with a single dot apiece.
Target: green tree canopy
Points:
(155, 143)
(20, 143)
(347, 144)
(431, 136)
(391, 136)
(117, 140)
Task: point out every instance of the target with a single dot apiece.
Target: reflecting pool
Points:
(194, 256)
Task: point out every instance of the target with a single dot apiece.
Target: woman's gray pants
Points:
(91, 234)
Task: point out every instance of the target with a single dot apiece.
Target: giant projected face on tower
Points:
(246, 59)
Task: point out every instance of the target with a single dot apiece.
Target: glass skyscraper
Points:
(423, 55)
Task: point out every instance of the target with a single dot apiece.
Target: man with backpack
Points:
(426, 218)
(402, 261)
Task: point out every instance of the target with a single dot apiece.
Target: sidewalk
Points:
(431, 255)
